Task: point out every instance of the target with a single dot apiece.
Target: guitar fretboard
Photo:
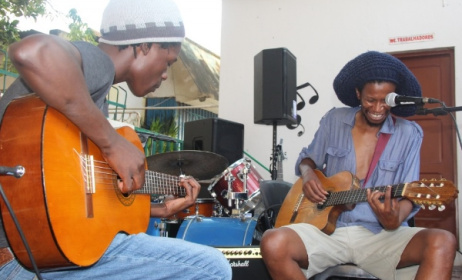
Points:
(359, 195)
(159, 183)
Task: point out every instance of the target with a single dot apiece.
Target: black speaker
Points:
(246, 263)
(275, 84)
(215, 135)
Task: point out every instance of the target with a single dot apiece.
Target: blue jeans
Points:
(141, 256)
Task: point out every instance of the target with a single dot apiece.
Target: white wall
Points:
(323, 35)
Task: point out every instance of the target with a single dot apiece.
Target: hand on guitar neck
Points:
(173, 204)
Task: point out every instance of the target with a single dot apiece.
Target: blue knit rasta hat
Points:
(372, 66)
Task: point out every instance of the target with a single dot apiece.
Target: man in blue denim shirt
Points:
(375, 234)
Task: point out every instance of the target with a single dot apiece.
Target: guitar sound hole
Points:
(323, 205)
(125, 198)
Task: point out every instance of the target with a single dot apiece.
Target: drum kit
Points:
(227, 206)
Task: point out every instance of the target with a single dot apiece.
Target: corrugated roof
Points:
(203, 66)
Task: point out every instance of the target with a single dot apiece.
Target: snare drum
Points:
(236, 174)
(203, 207)
(218, 231)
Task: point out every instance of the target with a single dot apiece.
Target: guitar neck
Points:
(161, 184)
(359, 195)
(280, 157)
(280, 172)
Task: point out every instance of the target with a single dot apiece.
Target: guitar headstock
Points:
(431, 193)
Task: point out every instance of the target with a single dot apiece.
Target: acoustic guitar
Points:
(344, 191)
(68, 202)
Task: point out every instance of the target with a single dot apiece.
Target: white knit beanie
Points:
(127, 22)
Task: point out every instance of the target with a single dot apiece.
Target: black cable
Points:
(314, 98)
(455, 125)
(301, 105)
(21, 234)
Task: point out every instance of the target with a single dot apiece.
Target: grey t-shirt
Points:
(99, 74)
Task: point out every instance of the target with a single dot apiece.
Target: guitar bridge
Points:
(89, 174)
(295, 212)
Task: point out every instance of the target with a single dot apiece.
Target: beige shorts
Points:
(378, 254)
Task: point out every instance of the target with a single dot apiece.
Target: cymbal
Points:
(201, 165)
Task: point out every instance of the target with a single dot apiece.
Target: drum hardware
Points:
(254, 203)
(163, 227)
(237, 189)
(236, 196)
(218, 210)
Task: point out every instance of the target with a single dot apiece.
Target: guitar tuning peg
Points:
(422, 207)
(441, 208)
(431, 207)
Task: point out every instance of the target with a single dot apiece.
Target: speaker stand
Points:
(274, 169)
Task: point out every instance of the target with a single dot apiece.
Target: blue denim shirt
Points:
(333, 151)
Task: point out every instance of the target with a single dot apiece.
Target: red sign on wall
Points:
(411, 39)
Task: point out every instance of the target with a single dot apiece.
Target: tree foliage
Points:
(165, 125)
(11, 12)
(9, 32)
(79, 31)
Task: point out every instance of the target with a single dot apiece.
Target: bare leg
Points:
(284, 253)
(434, 250)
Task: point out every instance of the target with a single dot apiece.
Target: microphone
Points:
(392, 99)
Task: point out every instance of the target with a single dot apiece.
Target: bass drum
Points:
(218, 231)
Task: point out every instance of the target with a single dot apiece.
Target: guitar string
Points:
(346, 197)
(360, 195)
(168, 183)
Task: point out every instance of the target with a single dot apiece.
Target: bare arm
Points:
(173, 206)
(312, 187)
(51, 67)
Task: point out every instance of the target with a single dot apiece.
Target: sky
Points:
(202, 19)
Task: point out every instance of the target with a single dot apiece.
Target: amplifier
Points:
(246, 262)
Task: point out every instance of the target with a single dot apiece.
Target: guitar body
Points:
(65, 222)
(296, 208)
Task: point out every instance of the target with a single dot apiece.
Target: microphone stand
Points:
(274, 169)
(439, 111)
